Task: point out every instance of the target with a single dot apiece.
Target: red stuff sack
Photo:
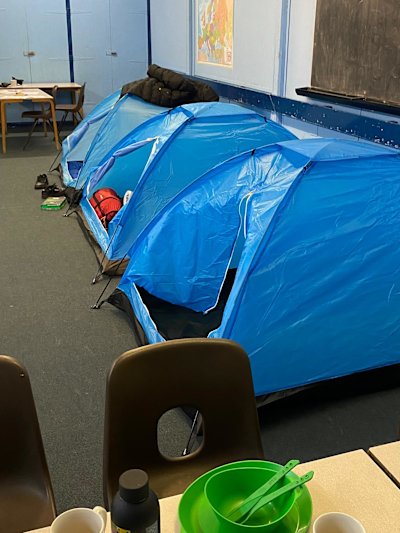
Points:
(106, 204)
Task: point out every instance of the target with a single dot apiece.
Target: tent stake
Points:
(54, 160)
(69, 212)
(100, 302)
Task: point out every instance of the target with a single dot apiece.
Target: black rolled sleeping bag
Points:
(167, 88)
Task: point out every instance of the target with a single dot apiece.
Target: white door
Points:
(33, 45)
(14, 41)
(90, 21)
(48, 41)
(128, 19)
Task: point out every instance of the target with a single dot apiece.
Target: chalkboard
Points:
(357, 49)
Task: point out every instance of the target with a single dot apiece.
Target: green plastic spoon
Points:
(240, 510)
(272, 495)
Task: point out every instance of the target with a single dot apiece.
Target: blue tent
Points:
(95, 136)
(77, 144)
(292, 250)
(165, 154)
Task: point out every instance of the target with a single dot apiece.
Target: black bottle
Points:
(135, 507)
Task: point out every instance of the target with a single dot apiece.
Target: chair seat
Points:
(34, 114)
(66, 107)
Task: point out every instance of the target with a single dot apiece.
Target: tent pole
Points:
(100, 269)
(193, 432)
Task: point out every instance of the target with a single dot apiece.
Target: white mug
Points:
(13, 83)
(337, 523)
(80, 520)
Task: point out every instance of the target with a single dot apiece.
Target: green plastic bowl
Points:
(226, 490)
(195, 510)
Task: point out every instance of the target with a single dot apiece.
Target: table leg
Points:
(53, 118)
(44, 120)
(3, 127)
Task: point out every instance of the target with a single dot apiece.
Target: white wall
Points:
(170, 23)
(300, 45)
(257, 53)
(255, 47)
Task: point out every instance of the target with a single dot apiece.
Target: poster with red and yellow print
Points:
(215, 32)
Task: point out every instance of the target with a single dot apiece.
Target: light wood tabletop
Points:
(20, 94)
(23, 93)
(48, 85)
(388, 456)
(350, 483)
(353, 483)
(168, 517)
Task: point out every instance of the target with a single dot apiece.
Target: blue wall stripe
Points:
(149, 58)
(69, 37)
(370, 129)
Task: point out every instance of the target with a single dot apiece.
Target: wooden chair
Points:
(26, 495)
(75, 109)
(43, 114)
(211, 375)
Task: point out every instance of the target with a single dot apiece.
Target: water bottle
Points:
(135, 507)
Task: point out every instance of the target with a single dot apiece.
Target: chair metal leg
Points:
(30, 133)
(62, 122)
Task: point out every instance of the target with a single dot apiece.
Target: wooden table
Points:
(48, 86)
(388, 457)
(18, 95)
(350, 483)
(70, 86)
(353, 483)
(168, 517)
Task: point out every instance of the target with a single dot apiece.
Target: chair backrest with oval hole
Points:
(210, 375)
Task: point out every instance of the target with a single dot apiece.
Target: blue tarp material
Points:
(164, 155)
(77, 144)
(102, 129)
(317, 291)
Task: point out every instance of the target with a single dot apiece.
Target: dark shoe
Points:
(41, 182)
(52, 190)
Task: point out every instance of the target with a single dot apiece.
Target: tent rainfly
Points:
(95, 136)
(164, 155)
(292, 250)
(77, 144)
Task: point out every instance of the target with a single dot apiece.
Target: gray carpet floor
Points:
(46, 322)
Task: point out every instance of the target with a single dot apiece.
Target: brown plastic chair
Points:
(75, 109)
(43, 114)
(211, 375)
(26, 495)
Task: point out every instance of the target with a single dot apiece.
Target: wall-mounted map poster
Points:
(215, 32)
